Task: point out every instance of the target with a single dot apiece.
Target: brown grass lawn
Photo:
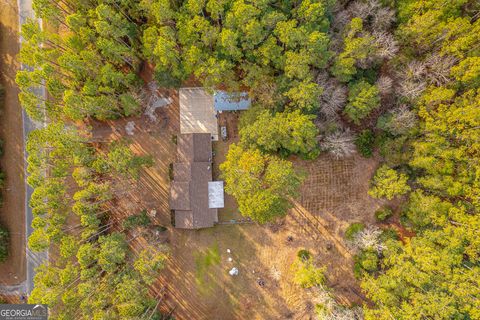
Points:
(196, 277)
(315, 223)
(12, 214)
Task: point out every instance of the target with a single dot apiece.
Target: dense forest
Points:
(401, 78)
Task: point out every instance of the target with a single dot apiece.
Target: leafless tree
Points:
(403, 119)
(386, 45)
(340, 143)
(333, 97)
(412, 81)
(364, 9)
(275, 273)
(332, 310)
(344, 313)
(415, 70)
(368, 238)
(411, 89)
(384, 85)
(340, 19)
(322, 78)
(325, 125)
(383, 19)
(336, 43)
(439, 68)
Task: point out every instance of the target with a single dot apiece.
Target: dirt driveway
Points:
(12, 214)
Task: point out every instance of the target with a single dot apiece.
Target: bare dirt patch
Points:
(12, 214)
(336, 190)
(220, 148)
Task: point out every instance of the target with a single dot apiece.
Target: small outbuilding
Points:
(231, 101)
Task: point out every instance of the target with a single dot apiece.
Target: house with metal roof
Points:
(194, 197)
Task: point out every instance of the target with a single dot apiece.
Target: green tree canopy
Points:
(284, 132)
(363, 98)
(306, 274)
(261, 184)
(388, 183)
(237, 43)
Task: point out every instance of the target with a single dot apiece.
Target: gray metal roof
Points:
(231, 101)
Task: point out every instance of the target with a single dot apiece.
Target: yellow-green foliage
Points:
(306, 274)
(284, 132)
(388, 183)
(363, 98)
(261, 183)
(434, 274)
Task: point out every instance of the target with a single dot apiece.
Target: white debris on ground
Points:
(230, 259)
(275, 273)
(233, 272)
(229, 251)
(130, 127)
(152, 213)
(154, 100)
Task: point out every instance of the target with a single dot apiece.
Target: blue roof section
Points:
(230, 101)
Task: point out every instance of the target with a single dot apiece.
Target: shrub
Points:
(362, 99)
(303, 254)
(353, 229)
(388, 183)
(365, 261)
(136, 220)
(399, 121)
(383, 213)
(395, 151)
(389, 234)
(365, 143)
(306, 274)
(4, 241)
